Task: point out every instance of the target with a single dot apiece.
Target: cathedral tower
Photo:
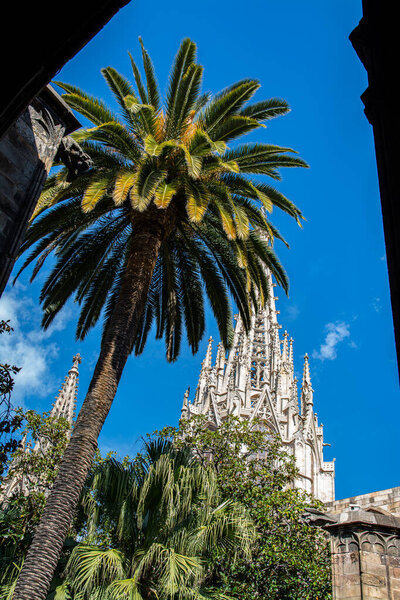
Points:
(257, 379)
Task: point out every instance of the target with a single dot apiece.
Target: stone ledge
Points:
(363, 517)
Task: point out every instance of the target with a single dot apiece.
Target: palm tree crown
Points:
(168, 163)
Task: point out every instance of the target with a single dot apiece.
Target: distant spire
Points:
(185, 404)
(255, 379)
(65, 403)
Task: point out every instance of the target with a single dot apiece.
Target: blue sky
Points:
(338, 309)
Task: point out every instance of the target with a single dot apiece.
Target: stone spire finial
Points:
(306, 388)
(285, 347)
(76, 360)
(186, 397)
(185, 404)
(306, 372)
(276, 348)
(220, 360)
(291, 353)
(207, 363)
(295, 392)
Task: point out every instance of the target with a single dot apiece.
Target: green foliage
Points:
(168, 164)
(45, 437)
(197, 514)
(150, 525)
(291, 560)
(35, 461)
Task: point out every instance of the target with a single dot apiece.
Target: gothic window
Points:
(257, 371)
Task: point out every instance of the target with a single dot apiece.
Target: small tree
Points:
(37, 459)
(35, 462)
(291, 559)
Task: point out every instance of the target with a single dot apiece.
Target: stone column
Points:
(365, 549)
(27, 152)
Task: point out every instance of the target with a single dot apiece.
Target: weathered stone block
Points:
(372, 579)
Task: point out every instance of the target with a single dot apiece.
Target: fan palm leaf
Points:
(172, 517)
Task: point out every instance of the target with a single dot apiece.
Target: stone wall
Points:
(386, 500)
(365, 548)
(27, 152)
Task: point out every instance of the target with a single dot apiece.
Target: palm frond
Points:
(185, 57)
(266, 109)
(148, 179)
(153, 94)
(197, 202)
(235, 126)
(138, 80)
(164, 194)
(94, 193)
(226, 104)
(90, 567)
(119, 86)
(123, 183)
(90, 107)
(187, 95)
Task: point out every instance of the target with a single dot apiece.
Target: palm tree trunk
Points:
(44, 552)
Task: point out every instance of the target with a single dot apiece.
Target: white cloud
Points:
(336, 333)
(28, 346)
(292, 312)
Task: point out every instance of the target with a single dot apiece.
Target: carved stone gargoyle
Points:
(317, 518)
(74, 158)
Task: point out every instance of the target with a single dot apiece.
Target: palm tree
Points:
(151, 525)
(166, 211)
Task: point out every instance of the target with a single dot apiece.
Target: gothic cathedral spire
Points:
(257, 379)
(65, 403)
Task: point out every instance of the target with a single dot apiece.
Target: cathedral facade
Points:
(257, 380)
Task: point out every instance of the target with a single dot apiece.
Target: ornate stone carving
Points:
(74, 158)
